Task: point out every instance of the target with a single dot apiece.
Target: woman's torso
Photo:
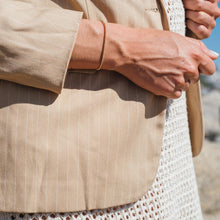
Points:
(173, 194)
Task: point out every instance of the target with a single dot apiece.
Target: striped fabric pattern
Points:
(80, 149)
(73, 141)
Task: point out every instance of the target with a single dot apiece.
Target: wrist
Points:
(112, 47)
(88, 46)
(116, 46)
(124, 46)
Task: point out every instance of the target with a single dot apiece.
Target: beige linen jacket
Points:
(76, 141)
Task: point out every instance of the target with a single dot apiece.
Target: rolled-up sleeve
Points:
(36, 43)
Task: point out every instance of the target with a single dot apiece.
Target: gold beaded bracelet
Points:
(103, 47)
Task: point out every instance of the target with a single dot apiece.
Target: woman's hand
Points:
(201, 16)
(161, 62)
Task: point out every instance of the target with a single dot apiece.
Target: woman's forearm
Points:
(88, 46)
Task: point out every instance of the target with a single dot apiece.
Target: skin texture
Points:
(166, 68)
(201, 16)
(88, 47)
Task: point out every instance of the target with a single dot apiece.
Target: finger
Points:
(169, 89)
(170, 82)
(192, 76)
(177, 94)
(181, 83)
(183, 87)
(174, 95)
(207, 66)
(199, 30)
(187, 83)
(206, 6)
(201, 17)
(212, 54)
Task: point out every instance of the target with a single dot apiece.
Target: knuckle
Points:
(177, 94)
(208, 34)
(187, 86)
(202, 47)
(199, 5)
(191, 69)
(203, 32)
(195, 78)
(168, 90)
(213, 23)
(213, 71)
(155, 82)
(200, 16)
(201, 44)
(218, 13)
(180, 81)
(194, 54)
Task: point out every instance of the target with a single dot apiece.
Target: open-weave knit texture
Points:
(174, 194)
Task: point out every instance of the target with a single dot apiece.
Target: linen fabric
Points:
(57, 151)
(173, 194)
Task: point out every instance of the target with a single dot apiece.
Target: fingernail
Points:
(215, 53)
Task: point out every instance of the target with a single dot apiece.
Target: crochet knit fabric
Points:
(173, 194)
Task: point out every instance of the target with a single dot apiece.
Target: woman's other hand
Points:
(161, 62)
(201, 16)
